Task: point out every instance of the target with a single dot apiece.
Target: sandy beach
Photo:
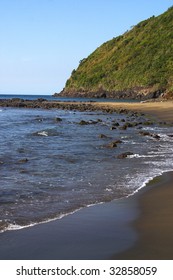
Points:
(154, 225)
(138, 227)
(162, 111)
(95, 232)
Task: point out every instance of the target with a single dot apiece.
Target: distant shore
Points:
(160, 110)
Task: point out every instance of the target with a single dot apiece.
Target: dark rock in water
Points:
(40, 133)
(114, 143)
(24, 160)
(41, 99)
(46, 133)
(123, 111)
(124, 155)
(170, 135)
(23, 171)
(93, 122)
(82, 122)
(156, 136)
(147, 123)
(112, 127)
(116, 124)
(38, 119)
(136, 123)
(129, 124)
(58, 119)
(17, 99)
(163, 123)
(118, 141)
(124, 127)
(146, 133)
(21, 150)
(103, 136)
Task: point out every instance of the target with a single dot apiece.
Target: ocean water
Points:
(51, 98)
(51, 168)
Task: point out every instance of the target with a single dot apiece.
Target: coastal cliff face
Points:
(136, 65)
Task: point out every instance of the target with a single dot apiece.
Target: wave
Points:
(148, 180)
(145, 156)
(12, 227)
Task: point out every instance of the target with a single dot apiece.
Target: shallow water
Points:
(51, 167)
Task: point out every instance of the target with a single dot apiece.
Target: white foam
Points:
(165, 137)
(144, 156)
(150, 178)
(19, 227)
(145, 182)
(43, 133)
(108, 189)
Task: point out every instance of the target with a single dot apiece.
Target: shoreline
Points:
(154, 224)
(160, 110)
(121, 229)
(88, 234)
(112, 230)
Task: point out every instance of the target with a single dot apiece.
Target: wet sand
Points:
(95, 232)
(138, 227)
(155, 223)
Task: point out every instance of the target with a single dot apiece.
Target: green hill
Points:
(138, 64)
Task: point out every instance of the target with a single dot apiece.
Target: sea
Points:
(55, 162)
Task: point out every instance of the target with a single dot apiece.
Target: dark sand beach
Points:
(95, 232)
(138, 227)
(154, 224)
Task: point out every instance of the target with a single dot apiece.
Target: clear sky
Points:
(42, 41)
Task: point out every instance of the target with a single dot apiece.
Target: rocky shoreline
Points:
(44, 104)
(137, 93)
(132, 119)
(108, 107)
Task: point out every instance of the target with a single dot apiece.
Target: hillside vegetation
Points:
(138, 64)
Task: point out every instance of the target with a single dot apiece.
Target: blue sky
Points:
(42, 41)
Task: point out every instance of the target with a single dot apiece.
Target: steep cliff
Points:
(138, 64)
